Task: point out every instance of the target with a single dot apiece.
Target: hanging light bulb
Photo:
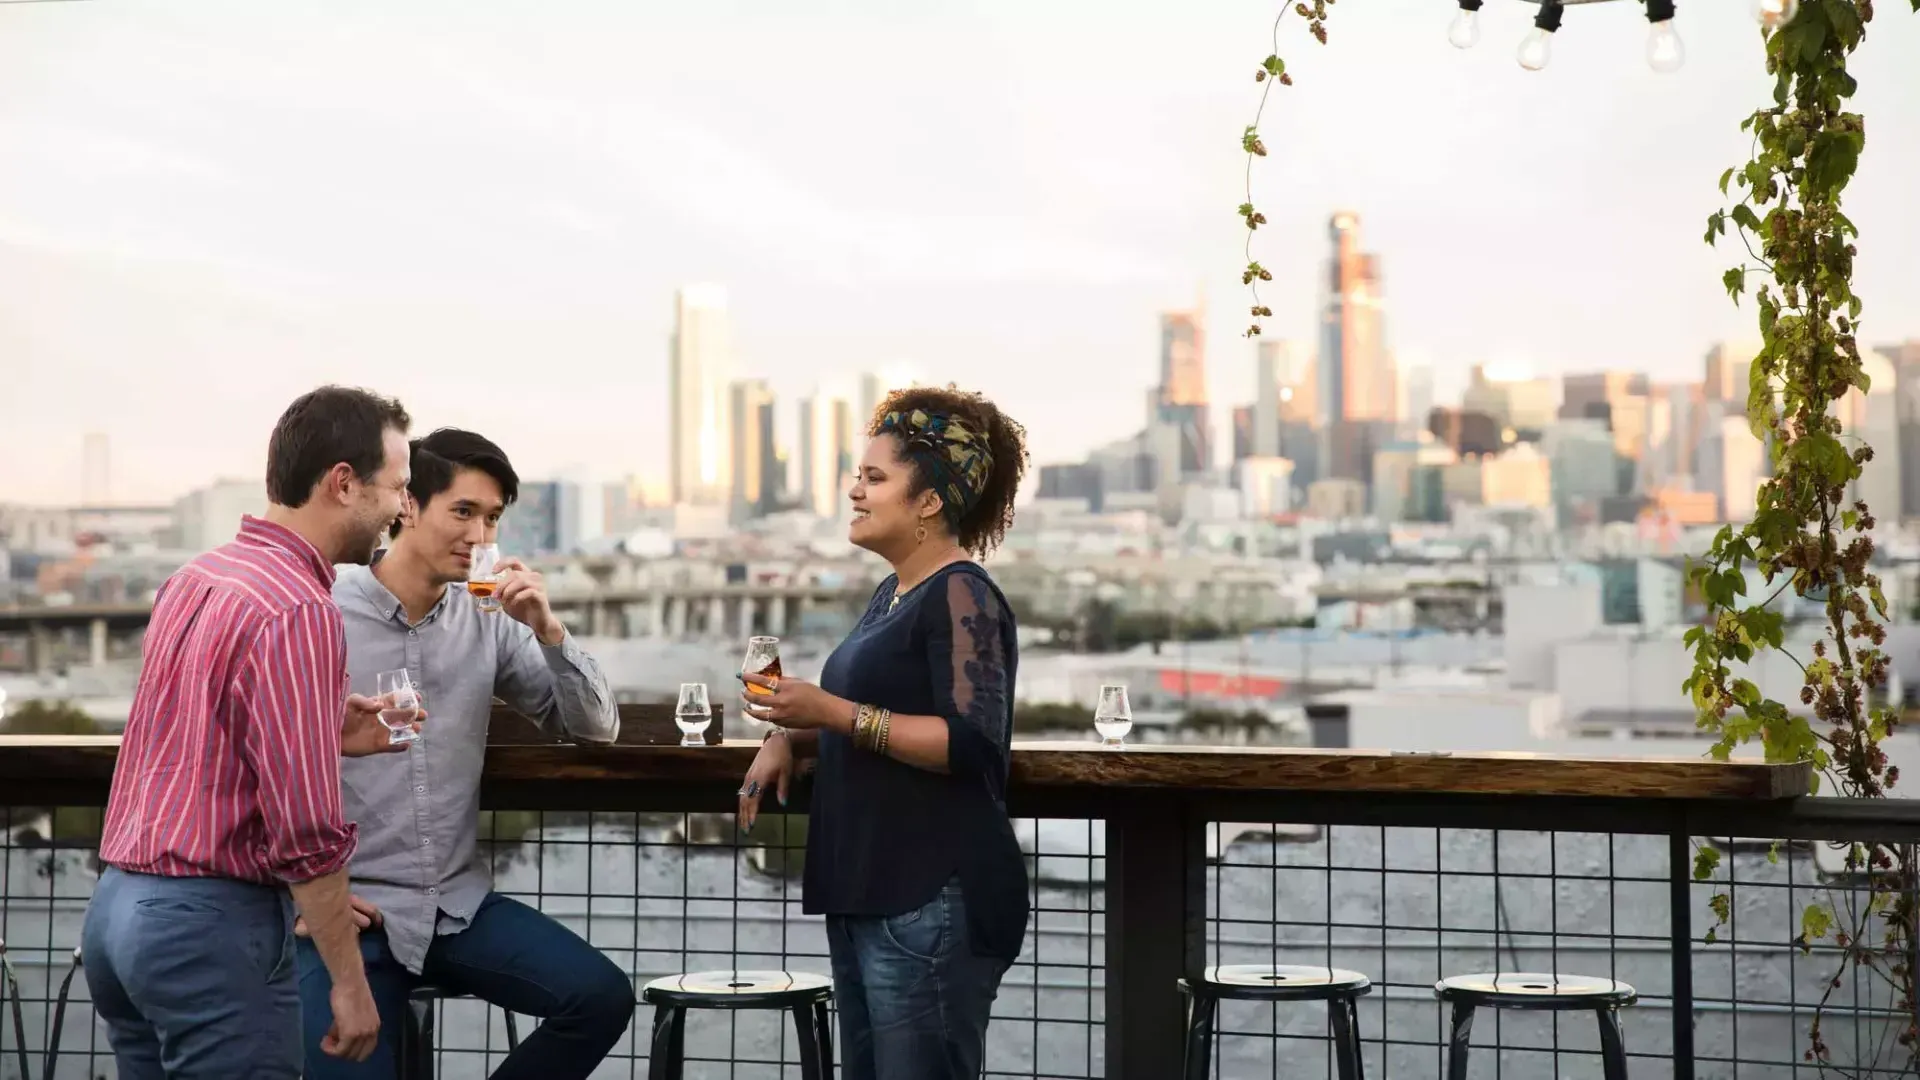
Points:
(1665, 52)
(1465, 31)
(1774, 14)
(1537, 47)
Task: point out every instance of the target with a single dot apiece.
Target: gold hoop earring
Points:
(919, 534)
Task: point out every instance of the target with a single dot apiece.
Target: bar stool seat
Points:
(800, 993)
(1340, 989)
(416, 1031)
(1535, 991)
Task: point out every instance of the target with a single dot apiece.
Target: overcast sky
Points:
(207, 206)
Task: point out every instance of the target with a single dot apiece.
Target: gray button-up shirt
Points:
(419, 812)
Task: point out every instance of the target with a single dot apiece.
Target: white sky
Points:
(207, 206)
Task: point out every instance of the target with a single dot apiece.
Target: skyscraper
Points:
(1357, 387)
(1180, 401)
(822, 446)
(752, 452)
(698, 373)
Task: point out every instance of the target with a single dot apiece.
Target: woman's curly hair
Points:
(984, 525)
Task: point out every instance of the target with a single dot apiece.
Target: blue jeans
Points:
(510, 955)
(913, 997)
(193, 977)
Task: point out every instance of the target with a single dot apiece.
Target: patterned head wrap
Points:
(952, 457)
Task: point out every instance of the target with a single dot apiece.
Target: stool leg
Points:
(823, 1023)
(1346, 1039)
(513, 1032)
(1199, 1057)
(1458, 1040)
(416, 1041)
(1613, 1045)
(808, 1034)
(668, 1057)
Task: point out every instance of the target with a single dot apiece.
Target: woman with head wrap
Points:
(910, 855)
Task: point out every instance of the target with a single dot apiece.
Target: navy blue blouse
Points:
(884, 837)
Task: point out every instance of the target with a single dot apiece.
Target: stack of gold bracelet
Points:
(871, 727)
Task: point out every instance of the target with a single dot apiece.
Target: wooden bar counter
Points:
(1156, 803)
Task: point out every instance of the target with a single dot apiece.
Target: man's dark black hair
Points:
(440, 454)
(323, 428)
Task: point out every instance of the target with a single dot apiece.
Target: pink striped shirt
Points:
(230, 765)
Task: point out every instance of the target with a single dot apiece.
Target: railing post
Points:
(1680, 900)
(1156, 932)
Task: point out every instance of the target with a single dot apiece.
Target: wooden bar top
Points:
(1082, 765)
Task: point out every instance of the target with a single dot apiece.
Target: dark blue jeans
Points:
(511, 956)
(193, 977)
(913, 997)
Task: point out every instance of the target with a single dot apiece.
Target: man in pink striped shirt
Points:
(225, 811)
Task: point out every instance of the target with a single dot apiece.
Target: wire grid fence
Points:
(659, 894)
(1409, 906)
(667, 893)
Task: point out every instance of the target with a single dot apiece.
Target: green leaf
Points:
(1831, 161)
(1744, 217)
(1773, 853)
(1853, 308)
(1815, 921)
(1736, 282)
(1274, 66)
(1728, 175)
(1705, 862)
(1716, 224)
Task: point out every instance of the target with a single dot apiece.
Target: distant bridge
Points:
(665, 611)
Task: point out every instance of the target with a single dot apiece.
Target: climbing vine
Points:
(1809, 533)
(1272, 70)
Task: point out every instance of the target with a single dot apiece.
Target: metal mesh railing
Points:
(667, 893)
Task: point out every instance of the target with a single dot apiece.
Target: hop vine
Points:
(1272, 71)
(1808, 533)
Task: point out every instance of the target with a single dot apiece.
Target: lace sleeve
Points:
(967, 655)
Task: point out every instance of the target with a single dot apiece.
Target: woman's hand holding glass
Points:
(795, 703)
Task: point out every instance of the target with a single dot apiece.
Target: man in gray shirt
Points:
(421, 889)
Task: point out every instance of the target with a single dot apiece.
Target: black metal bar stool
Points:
(1537, 992)
(1252, 982)
(416, 1032)
(804, 995)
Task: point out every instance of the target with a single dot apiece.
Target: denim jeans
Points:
(193, 977)
(913, 997)
(510, 955)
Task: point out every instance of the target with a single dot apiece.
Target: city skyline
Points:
(178, 253)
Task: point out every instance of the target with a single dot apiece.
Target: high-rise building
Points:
(544, 520)
(1180, 401)
(1618, 399)
(1282, 394)
(822, 445)
(1728, 366)
(749, 412)
(1906, 379)
(1873, 418)
(95, 489)
(1357, 392)
(1416, 398)
(698, 374)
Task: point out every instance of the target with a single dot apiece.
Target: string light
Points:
(1537, 47)
(1774, 14)
(1665, 51)
(1465, 31)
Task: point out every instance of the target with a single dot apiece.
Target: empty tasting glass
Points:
(1113, 717)
(763, 658)
(693, 714)
(483, 577)
(399, 705)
